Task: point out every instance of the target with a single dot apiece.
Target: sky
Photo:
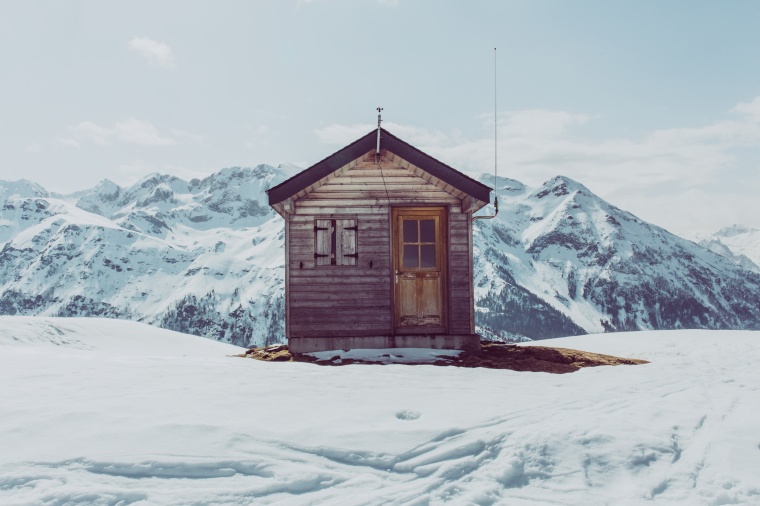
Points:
(654, 106)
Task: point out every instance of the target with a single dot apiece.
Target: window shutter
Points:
(322, 242)
(346, 232)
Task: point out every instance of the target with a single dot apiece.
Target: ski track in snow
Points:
(117, 413)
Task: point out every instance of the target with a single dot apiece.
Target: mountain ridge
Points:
(206, 256)
(738, 243)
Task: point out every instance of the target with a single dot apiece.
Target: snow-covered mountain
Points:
(738, 243)
(206, 257)
(559, 259)
(203, 256)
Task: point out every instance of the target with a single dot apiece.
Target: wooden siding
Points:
(460, 295)
(337, 300)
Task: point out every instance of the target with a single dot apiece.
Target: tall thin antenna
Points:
(495, 128)
(495, 147)
(379, 120)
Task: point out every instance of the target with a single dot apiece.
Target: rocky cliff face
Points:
(206, 257)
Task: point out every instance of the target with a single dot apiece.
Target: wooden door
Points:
(419, 258)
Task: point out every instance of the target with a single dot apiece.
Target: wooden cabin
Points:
(378, 250)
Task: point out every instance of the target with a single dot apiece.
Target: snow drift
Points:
(110, 412)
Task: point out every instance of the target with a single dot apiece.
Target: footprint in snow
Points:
(408, 414)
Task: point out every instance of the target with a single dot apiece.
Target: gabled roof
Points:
(358, 148)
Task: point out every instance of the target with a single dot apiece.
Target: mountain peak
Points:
(147, 184)
(107, 187)
(734, 230)
(560, 186)
(21, 188)
(503, 184)
(740, 239)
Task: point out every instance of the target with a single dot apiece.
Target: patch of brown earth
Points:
(276, 353)
(492, 356)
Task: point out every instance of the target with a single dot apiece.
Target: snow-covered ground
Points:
(113, 412)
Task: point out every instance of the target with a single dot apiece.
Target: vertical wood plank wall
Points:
(356, 300)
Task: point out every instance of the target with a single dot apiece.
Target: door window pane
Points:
(427, 255)
(427, 230)
(410, 256)
(410, 230)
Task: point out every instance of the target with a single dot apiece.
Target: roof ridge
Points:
(364, 144)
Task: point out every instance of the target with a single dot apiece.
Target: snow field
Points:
(112, 412)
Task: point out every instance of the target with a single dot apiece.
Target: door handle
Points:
(396, 276)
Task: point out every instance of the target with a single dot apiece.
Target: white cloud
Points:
(651, 176)
(749, 108)
(342, 134)
(129, 131)
(67, 141)
(538, 144)
(181, 134)
(259, 136)
(133, 131)
(91, 131)
(157, 54)
(136, 169)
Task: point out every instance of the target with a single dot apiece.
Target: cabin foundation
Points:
(465, 342)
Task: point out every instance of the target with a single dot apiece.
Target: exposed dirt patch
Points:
(276, 353)
(492, 356)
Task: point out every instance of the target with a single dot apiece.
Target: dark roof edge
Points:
(322, 168)
(435, 167)
(388, 141)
